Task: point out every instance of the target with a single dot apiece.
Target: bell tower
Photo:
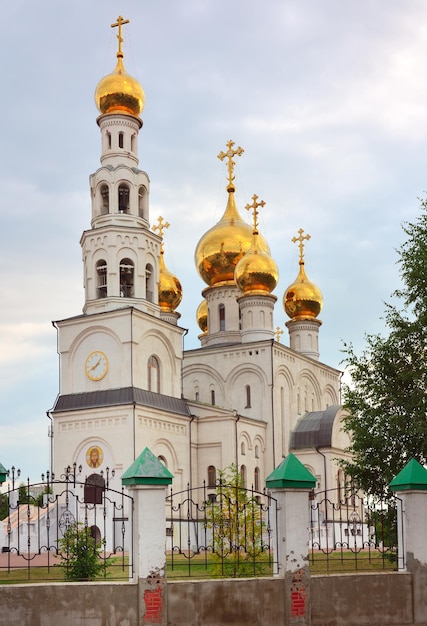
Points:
(120, 361)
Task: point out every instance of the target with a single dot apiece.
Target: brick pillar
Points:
(146, 481)
(410, 486)
(290, 483)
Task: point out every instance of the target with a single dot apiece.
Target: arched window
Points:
(126, 278)
(243, 475)
(105, 199)
(256, 479)
(153, 374)
(221, 310)
(212, 396)
(211, 476)
(109, 140)
(120, 140)
(132, 143)
(162, 460)
(94, 488)
(248, 396)
(149, 283)
(101, 287)
(123, 199)
(142, 201)
(242, 448)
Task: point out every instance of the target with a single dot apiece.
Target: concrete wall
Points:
(362, 599)
(71, 604)
(382, 599)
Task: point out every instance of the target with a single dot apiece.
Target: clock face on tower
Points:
(96, 365)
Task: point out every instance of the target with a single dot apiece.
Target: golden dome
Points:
(256, 272)
(119, 92)
(170, 290)
(222, 246)
(303, 299)
(202, 316)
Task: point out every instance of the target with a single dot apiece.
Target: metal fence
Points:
(37, 541)
(221, 530)
(350, 531)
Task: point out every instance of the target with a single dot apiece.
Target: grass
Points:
(205, 566)
(347, 561)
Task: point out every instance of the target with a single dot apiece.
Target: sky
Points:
(326, 98)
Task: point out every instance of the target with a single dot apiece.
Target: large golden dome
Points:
(170, 290)
(222, 246)
(303, 299)
(256, 272)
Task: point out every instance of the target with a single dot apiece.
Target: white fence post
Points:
(290, 483)
(146, 480)
(411, 487)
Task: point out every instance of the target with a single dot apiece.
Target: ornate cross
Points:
(160, 226)
(229, 155)
(278, 333)
(119, 23)
(301, 238)
(255, 213)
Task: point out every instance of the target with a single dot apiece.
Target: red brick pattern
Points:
(153, 606)
(298, 594)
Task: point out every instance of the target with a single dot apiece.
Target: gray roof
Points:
(314, 429)
(115, 397)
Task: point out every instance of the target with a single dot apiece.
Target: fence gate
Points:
(36, 518)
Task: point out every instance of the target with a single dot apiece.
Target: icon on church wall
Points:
(94, 456)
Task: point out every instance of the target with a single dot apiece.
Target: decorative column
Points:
(290, 483)
(410, 486)
(146, 480)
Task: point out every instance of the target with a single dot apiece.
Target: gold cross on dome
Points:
(278, 333)
(161, 226)
(255, 212)
(119, 23)
(229, 155)
(301, 238)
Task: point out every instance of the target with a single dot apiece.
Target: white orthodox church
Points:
(242, 397)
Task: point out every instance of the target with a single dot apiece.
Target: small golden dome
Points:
(170, 290)
(202, 316)
(256, 272)
(119, 92)
(303, 299)
(222, 246)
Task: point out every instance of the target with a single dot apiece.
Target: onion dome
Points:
(256, 272)
(119, 92)
(170, 290)
(303, 299)
(202, 316)
(222, 246)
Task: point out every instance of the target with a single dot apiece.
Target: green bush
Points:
(80, 554)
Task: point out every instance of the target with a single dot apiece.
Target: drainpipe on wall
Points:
(237, 416)
(182, 359)
(272, 406)
(192, 418)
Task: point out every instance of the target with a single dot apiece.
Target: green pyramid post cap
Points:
(147, 470)
(412, 476)
(291, 474)
(3, 474)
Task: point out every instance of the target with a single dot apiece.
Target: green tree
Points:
(235, 519)
(80, 554)
(387, 400)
